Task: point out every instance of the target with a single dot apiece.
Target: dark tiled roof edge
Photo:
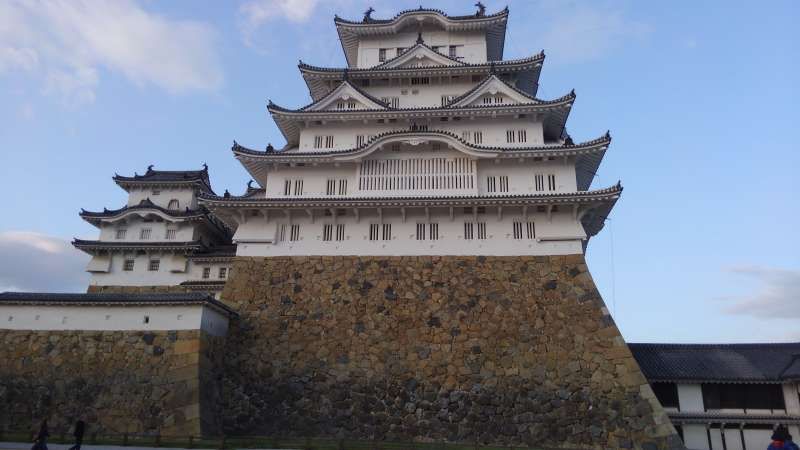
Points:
(340, 21)
(112, 298)
(498, 64)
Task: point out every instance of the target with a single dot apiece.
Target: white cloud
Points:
(254, 14)
(576, 32)
(71, 42)
(37, 262)
(778, 296)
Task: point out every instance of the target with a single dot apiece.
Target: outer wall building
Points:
(409, 267)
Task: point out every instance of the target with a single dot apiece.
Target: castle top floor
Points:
(174, 190)
(475, 38)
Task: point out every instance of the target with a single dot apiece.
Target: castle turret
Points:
(161, 237)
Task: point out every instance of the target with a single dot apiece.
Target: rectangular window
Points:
(351, 105)
(154, 264)
(420, 231)
(171, 232)
(477, 137)
(481, 230)
(538, 181)
(381, 54)
(340, 232)
(433, 231)
(327, 232)
(340, 105)
(342, 187)
(452, 51)
(497, 184)
(491, 184)
(487, 100)
(328, 141)
(531, 230)
(294, 234)
(145, 233)
(504, 183)
(517, 230)
(206, 273)
(446, 99)
(330, 188)
(287, 187)
(469, 229)
(360, 140)
(510, 136)
(498, 99)
(121, 233)
(387, 232)
(522, 136)
(298, 187)
(128, 265)
(282, 232)
(551, 182)
(420, 80)
(223, 273)
(374, 229)
(743, 396)
(393, 102)
(318, 141)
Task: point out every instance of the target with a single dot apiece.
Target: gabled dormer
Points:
(420, 55)
(346, 97)
(492, 91)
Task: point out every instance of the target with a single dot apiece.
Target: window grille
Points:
(497, 184)
(517, 230)
(374, 228)
(420, 231)
(522, 136)
(468, 230)
(499, 99)
(393, 102)
(466, 135)
(452, 51)
(340, 105)
(121, 233)
(381, 54)
(481, 230)
(417, 174)
(477, 137)
(317, 141)
(359, 140)
(433, 231)
(343, 187)
(420, 80)
(174, 204)
(287, 187)
(387, 232)
(282, 232)
(487, 100)
(340, 232)
(223, 273)
(145, 233)
(538, 181)
(531, 230)
(328, 141)
(551, 182)
(510, 136)
(327, 232)
(331, 187)
(206, 273)
(504, 183)
(446, 99)
(351, 105)
(154, 264)
(128, 265)
(295, 233)
(171, 232)
(491, 184)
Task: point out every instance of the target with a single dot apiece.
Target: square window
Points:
(223, 273)
(144, 234)
(121, 233)
(128, 265)
(206, 273)
(154, 265)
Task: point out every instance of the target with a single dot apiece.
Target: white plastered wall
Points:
(473, 44)
(184, 195)
(113, 318)
(174, 269)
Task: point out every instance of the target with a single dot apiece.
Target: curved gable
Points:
(346, 97)
(420, 55)
(496, 91)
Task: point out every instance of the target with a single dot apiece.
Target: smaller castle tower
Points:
(162, 237)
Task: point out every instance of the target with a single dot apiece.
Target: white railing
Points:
(417, 175)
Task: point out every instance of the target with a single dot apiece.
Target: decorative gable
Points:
(420, 56)
(346, 97)
(492, 91)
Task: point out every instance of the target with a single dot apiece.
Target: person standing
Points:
(41, 438)
(80, 428)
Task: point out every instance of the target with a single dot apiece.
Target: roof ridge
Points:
(539, 56)
(370, 21)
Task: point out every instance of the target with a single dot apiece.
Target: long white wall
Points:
(161, 196)
(521, 176)
(113, 318)
(560, 235)
(493, 132)
(107, 270)
(472, 45)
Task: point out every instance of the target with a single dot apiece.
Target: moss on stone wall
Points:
(120, 381)
(504, 350)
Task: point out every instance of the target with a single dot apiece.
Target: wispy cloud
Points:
(577, 32)
(253, 15)
(37, 262)
(777, 296)
(70, 43)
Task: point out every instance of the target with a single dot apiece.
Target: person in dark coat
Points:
(780, 438)
(80, 428)
(41, 438)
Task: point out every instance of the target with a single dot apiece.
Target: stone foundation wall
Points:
(120, 381)
(503, 350)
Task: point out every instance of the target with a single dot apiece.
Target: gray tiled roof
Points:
(121, 299)
(755, 363)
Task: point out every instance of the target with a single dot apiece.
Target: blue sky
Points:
(700, 97)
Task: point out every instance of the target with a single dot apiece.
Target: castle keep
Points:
(409, 265)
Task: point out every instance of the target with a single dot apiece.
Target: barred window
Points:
(420, 231)
(497, 184)
(420, 80)
(128, 265)
(294, 234)
(145, 233)
(538, 181)
(170, 235)
(174, 204)
(343, 187)
(446, 99)
(387, 232)
(293, 186)
(121, 233)
(154, 265)
(531, 230)
(328, 141)
(517, 230)
(433, 231)
(382, 54)
(468, 230)
(374, 229)
(340, 232)
(360, 140)
(206, 273)
(510, 136)
(282, 232)
(223, 273)
(477, 137)
(551, 182)
(481, 230)
(327, 232)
